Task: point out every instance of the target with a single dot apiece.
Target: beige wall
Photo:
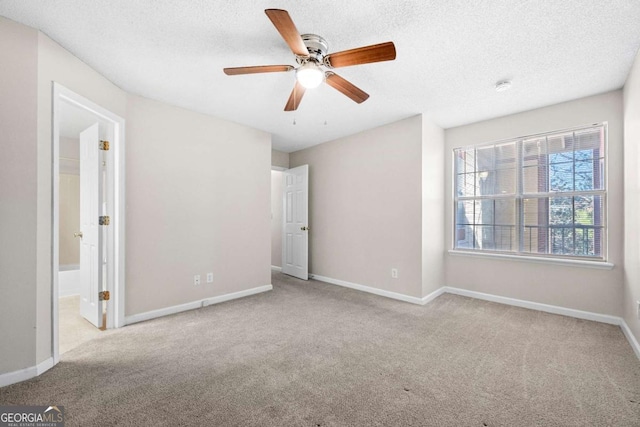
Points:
(598, 291)
(215, 180)
(69, 194)
(18, 195)
(279, 159)
(276, 218)
(365, 206)
(631, 292)
(198, 201)
(433, 221)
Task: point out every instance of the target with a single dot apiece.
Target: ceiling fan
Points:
(310, 51)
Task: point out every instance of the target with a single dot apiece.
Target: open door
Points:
(91, 247)
(295, 230)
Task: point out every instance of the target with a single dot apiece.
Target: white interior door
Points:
(91, 247)
(295, 229)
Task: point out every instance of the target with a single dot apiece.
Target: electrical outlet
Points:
(196, 280)
(209, 277)
(394, 273)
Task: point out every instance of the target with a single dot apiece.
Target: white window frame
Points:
(576, 260)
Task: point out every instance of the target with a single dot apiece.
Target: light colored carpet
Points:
(73, 328)
(313, 354)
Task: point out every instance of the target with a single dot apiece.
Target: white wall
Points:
(598, 291)
(276, 218)
(365, 207)
(18, 195)
(631, 292)
(198, 201)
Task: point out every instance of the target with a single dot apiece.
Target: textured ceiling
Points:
(450, 54)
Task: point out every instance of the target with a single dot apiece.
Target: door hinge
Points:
(104, 145)
(104, 220)
(104, 296)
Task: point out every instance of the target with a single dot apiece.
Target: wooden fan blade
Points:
(257, 69)
(295, 97)
(287, 29)
(344, 86)
(362, 55)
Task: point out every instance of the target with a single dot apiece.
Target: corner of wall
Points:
(631, 289)
(433, 185)
(279, 159)
(365, 207)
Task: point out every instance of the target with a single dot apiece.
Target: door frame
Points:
(115, 197)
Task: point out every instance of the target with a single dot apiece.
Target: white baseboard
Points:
(570, 312)
(44, 366)
(236, 295)
(26, 373)
(369, 289)
(276, 268)
(632, 340)
(153, 314)
(587, 315)
(433, 295)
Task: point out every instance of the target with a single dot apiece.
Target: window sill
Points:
(601, 265)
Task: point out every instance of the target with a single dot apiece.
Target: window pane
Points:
(534, 152)
(584, 175)
(505, 156)
(560, 173)
(487, 224)
(590, 141)
(564, 225)
(465, 160)
(561, 143)
(466, 185)
(560, 210)
(485, 159)
(500, 181)
(536, 225)
(464, 224)
(465, 212)
(535, 179)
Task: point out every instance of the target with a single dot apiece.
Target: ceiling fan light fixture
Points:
(309, 75)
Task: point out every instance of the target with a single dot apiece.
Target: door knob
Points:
(305, 228)
(78, 234)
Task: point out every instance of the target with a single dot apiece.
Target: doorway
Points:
(88, 256)
(289, 221)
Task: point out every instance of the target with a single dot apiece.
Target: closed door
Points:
(91, 247)
(295, 230)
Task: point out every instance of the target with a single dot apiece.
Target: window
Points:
(538, 195)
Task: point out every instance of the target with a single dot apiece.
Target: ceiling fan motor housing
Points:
(317, 47)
